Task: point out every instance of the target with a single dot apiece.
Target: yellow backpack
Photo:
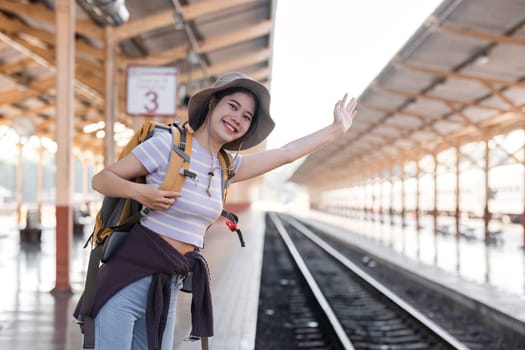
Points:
(120, 214)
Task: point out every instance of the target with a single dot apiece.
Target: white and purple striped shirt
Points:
(191, 214)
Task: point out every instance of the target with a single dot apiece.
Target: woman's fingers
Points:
(157, 199)
(343, 101)
(168, 198)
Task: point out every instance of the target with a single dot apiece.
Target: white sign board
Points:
(151, 90)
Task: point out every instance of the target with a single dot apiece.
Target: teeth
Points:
(231, 127)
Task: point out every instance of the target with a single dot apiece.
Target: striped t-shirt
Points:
(191, 214)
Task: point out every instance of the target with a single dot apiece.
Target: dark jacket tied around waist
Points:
(145, 253)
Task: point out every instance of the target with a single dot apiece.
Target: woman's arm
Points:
(114, 181)
(261, 162)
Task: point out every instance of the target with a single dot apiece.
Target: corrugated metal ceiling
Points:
(202, 38)
(459, 78)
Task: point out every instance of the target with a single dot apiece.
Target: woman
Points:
(136, 308)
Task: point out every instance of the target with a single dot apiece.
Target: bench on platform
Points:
(32, 233)
(80, 218)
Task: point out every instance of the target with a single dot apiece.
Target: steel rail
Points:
(318, 294)
(424, 321)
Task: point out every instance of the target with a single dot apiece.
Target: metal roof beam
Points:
(165, 18)
(504, 98)
(435, 98)
(39, 12)
(421, 117)
(476, 34)
(219, 42)
(214, 43)
(466, 76)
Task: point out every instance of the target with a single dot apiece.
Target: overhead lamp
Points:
(93, 127)
(119, 127)
(100, 134)
(112, 12)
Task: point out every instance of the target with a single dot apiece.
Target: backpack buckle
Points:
(188, 173)
(231, 225)
(145, 211)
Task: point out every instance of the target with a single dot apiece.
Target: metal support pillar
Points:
(391, 210)
(418, 223)
(381, 199)
(65, 65)
(486, 211)
(19, 182)
(458, 192)
(40, 178)
(365, 200)
(85, 183)
(110, 98)
(523, 214)
(434, 182)
(403, 195)
(373, 202)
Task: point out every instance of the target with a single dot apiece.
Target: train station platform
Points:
(33, 318)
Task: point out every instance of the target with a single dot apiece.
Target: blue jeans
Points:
(121, 322)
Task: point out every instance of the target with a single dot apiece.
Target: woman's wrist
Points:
(336, 130)
(134, 191)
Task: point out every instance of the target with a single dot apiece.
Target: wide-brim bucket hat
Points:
(198, 108)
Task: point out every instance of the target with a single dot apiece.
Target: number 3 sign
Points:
(151, 90)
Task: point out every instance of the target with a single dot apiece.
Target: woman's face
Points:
(232, 116)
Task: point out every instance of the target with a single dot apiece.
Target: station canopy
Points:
(459, 79)
(201, 38)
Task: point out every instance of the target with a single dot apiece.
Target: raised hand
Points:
(344, 113)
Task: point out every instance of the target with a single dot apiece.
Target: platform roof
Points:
(460, 78)
(202, 38)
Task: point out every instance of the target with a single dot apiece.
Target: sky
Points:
(324, 49)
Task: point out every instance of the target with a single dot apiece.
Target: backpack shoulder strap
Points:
(228, 171)
(179, 159)
(144, 132)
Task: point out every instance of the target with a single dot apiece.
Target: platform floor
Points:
(33, 318)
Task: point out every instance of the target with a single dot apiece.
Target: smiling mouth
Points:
(230, 127)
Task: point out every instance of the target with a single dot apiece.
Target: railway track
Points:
(314, 297)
